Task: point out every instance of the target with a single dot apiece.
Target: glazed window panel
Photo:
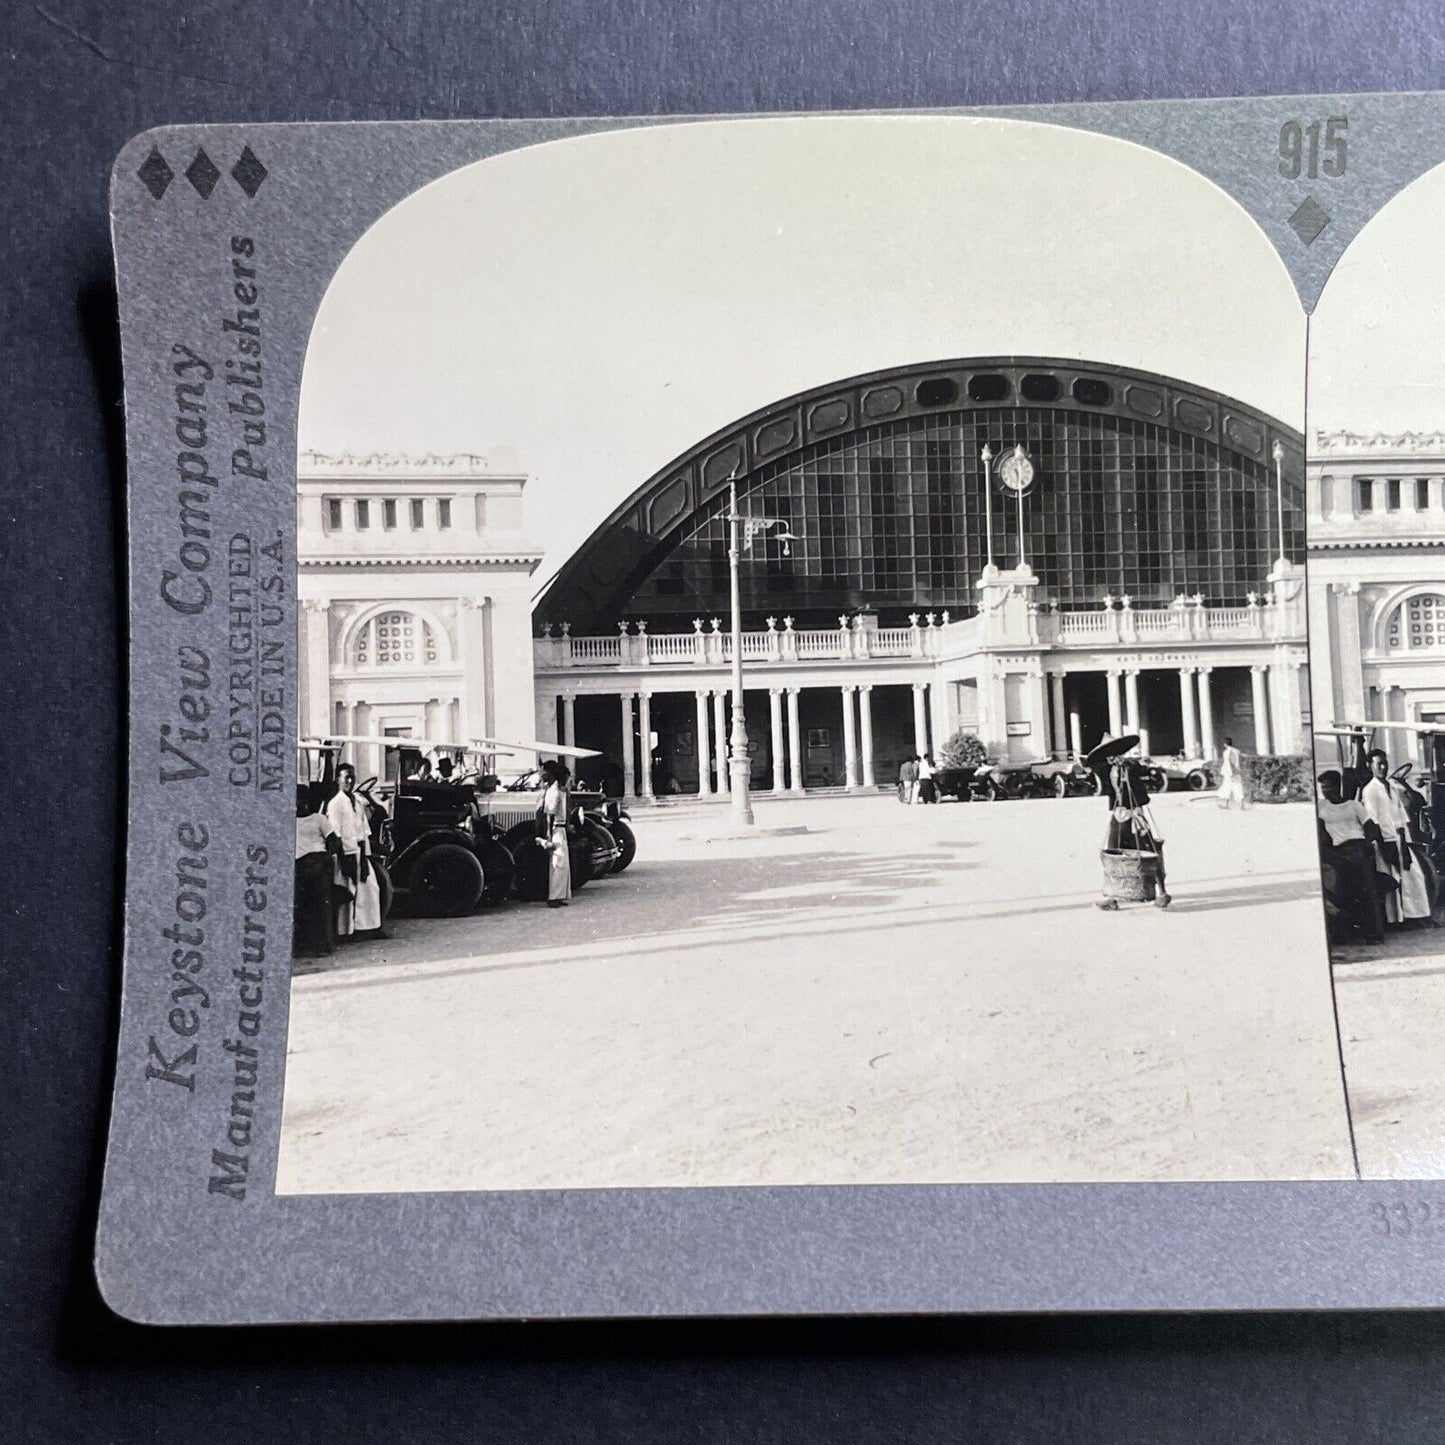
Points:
(898, 517)
(395, 639)
(1418, 624)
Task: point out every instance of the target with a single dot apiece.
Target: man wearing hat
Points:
(1131, 827)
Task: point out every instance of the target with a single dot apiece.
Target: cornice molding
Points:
(1371, 443)
(429, 464)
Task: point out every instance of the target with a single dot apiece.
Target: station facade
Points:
(1150, 581)
(1377, 581)
(415, 587)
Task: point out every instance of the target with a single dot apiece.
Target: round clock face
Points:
(1015, 471)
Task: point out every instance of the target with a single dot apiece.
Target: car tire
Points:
(1061, 786)
(1198, 781)
(603, 851)
(385, 887)
(446, 881)
(529, 860)
(500, 870)
(621, 830)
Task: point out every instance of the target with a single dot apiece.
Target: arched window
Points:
(395, 639)
(1417, 623)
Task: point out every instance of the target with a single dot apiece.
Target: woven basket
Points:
(1129, 875)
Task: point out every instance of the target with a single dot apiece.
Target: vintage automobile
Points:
(600, 819)
(508, 806)
(316, 763)
(991, 782)
(1425, 796)
(1198, 775)
(443, 857)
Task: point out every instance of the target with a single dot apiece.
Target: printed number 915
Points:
(1313, 150)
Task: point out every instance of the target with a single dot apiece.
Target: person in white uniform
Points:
(1231, 776)
(552, 834)
(1396, 858)
(358, 909)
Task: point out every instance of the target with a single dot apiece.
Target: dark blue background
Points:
(80, 76)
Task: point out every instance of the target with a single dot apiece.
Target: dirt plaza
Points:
(858, 993)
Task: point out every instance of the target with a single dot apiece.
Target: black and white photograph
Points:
(804, 675)
(1376, 494)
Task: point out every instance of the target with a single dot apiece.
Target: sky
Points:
(597, 306)
(1377, 336)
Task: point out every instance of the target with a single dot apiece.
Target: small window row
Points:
(994, 386)
(369, 512)
(1399, 494)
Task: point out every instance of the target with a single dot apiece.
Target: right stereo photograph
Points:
(1376, 597)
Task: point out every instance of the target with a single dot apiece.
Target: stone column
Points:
(865, 718)
(775, 718)
(644, 726)
(920, 718)
(938, 714)
(702, 746)
(1131, 700)
(472, 624)
(1258, 678)
(795, 743)
(1056, 691)
(1206, 713)
(629, 780)
(1116, 714)
(317, 676)
(720, 741)
(850, 738)
(1186, 711)
(569, 719)
(1076, 732)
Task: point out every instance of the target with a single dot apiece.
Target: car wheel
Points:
(1061, 786)
(603, 851)
(500, 870)
(1198, 781)
(992, 792)
(529, 860)
(626, 840)
(384, 887)
(446, 881)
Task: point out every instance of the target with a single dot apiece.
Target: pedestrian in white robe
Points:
(1395, 858)
(1231, 776)
(552, 833)
(358, 909)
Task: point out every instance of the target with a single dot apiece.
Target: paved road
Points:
(896, 994)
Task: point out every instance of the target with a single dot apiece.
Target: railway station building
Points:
(1150, 580)
(1377, 581)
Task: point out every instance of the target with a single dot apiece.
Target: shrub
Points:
(963, 750)
(1286, 778)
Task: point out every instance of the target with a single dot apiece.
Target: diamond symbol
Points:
(1309, 219)
(155, 174)
(202, 174)
(248, 173)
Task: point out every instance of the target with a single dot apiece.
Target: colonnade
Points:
(1201, 739)
(712, 714)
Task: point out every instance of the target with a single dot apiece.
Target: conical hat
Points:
(1109, 747)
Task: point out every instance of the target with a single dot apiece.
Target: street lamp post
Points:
(740, 764)
(1278, 454)
(986, 456)
(741, 531)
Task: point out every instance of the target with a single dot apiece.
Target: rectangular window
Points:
(363, 515)
(333, 514)
(1422, 493)
(417, 519)
(388, 514)
(1392, 495)
(1364, 494)
(444, 513)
